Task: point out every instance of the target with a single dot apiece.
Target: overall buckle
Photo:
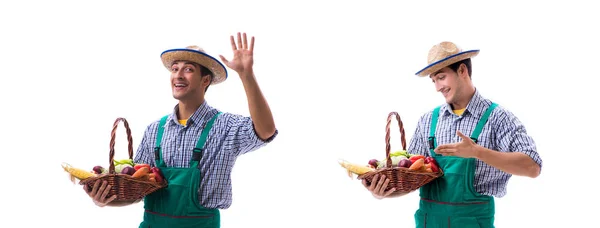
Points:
(431, 144)
(156, 153)
(197, 155)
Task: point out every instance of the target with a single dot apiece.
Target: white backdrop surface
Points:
(331, 72)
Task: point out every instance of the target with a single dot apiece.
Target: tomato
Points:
(429, 160)
(157, 174)
(139, 166)
(434, 167)
(416, 157)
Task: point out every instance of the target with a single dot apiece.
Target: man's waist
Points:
(482, 207)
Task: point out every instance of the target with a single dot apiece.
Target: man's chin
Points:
(178, 96)
(448, 100)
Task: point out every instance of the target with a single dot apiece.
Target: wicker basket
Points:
(403, 179)
(127, 188)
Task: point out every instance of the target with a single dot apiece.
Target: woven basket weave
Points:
(127, 188)
(403, 179)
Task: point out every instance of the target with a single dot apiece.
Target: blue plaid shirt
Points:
(231, 136)
(503, 132)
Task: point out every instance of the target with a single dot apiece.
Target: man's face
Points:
(186, 81)
(448, 83)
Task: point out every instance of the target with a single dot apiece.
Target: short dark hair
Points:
(467, 63)
(205, 72)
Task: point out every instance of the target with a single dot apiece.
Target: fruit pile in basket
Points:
(403, 159)
(406, 172)
(124, 166)
(400, 159)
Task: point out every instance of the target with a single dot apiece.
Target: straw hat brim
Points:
(214, 65)
(438, 65)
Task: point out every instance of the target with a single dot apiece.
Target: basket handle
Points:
(111, 168)
(387, 137)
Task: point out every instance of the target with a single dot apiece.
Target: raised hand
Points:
(242, 55)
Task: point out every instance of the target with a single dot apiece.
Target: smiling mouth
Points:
(180, 85)
(445, 92)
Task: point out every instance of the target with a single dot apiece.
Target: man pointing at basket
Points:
(196, 145)
(477, 143)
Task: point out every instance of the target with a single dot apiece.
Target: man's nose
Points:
(438, 86)
(179, 74)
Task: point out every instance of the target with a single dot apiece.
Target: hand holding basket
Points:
(127, 188)
(403, 179)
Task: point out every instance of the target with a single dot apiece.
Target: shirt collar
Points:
(476, 106)
(200, 116)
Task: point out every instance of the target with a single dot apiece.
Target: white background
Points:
(331, 71)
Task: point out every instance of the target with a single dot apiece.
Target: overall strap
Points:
(157, 151)
(434, 119)
(197, 152)
(482, 121)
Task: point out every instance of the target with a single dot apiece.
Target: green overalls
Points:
(177, 205)
(451, 200)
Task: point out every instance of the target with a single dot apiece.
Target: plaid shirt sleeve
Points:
(418, 142)
(512, 137)
(145, 151)
(242, 136)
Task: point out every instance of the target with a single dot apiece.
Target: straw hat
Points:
(197, 55)
(444, 54)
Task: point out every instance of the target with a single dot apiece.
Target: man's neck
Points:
(464, 101)
(187, 108)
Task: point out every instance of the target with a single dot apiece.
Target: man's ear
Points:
(206, 81)
(462, 70)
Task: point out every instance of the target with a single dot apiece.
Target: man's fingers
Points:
(464, 137)
(239, 39)
(252, 44)
(245, 40)
(389, 192)
(100, 190)
(95, 188)
(223, 59)
(383, 186)
(444, 146)
(105, 192)
(111, 199)
(373, 183)
(379, 184)
(232, 43)
(445, 151)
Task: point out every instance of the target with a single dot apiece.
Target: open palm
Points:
(242, 55)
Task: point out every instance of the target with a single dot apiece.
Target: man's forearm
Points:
(259, 108)
(515, 163)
